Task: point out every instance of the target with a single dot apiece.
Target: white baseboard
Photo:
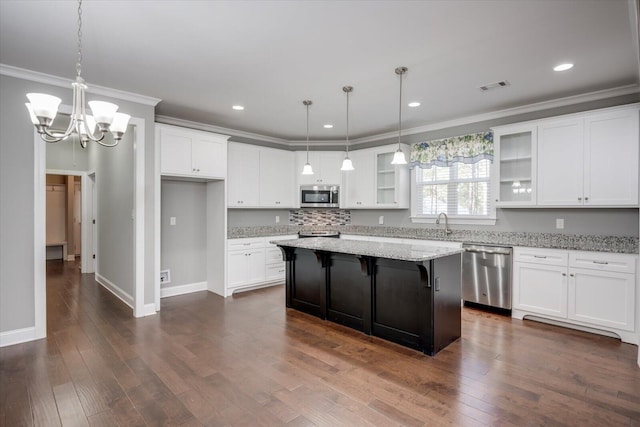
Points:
(183, 289)
(111, 287)
(71, 257)
(150, 309)
(17, 336)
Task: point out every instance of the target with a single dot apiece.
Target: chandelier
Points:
(43, 109)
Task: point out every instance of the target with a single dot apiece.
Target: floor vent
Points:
(495, 85)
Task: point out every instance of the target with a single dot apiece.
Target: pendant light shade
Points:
(307, 169)
(347, 164)
(398, 157)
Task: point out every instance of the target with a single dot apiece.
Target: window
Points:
(453, 176)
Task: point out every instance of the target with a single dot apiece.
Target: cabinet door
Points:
(236, 269)
(277, 178)
(540, 289)
(602, 298)
(611, 159)
(255, 267)
(175, 153)
(514, 178)
(330, 164)
(560, 163)
(209, 157)
(360, 182)
(243, 176)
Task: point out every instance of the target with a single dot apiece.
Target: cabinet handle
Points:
(564, 274)
(497, 200)
(579, 199)
(601, 262)
(540, 256)
(586, 199)
(571, 275)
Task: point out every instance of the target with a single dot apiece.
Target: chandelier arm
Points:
(104, 144)
(54, 138)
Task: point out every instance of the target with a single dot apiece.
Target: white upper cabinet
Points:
(514, 174)
(277, 188)
(611, 159)
(360, 182)
(585, 159)
(191, 153)
(325, 164)
(560, 177)
(375, 183)
(244, 176)
(260, 177)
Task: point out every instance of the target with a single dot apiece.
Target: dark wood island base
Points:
(412, 303)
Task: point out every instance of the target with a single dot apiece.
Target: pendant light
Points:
(307, 169)
(347, 165)
(398, 157)
(43, 109)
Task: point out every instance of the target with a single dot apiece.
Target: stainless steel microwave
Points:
(319, 196)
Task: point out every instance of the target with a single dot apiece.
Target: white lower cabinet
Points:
(254, 262)
(590, 289)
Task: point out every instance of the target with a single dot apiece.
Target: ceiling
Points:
(202, 57)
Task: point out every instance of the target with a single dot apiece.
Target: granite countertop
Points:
(614, 244)
(397, 251)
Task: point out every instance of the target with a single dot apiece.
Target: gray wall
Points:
(67, 155)
(184, 245)
(114, 190)
(17, 198)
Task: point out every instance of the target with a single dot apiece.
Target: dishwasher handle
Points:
(482, 251)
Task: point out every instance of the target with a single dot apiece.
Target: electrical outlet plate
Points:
(165, 277)
(559, 223)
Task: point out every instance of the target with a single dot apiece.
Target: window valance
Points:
(444, 152)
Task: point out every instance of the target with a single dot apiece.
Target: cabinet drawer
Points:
(620, 263)
(274, 255)
(249, 243)
(541, 256)
(276, 271)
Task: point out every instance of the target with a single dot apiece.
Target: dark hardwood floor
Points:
(247, 361)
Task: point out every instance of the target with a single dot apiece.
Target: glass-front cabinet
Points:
(515, 165)
(385, 179)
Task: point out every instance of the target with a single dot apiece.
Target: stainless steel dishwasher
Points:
(486, 275)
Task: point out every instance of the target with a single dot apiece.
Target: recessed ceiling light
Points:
(563, 67)
(414, 104)
(328, 126)
(238, 107)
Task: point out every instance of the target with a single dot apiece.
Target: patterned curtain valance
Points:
(444, 152)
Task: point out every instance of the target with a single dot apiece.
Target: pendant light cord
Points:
(400, 112)
(307, 132)
(348, 122)
(79, 63)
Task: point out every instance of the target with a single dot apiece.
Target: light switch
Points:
(172, 220)
(277, 219)
(381, 219)
(559, 223)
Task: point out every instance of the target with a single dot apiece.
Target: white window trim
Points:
(453, 219)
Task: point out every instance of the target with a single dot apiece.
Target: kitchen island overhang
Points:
(408, 294)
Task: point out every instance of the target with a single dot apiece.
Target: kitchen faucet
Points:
(446, 222)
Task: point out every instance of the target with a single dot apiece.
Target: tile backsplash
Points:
(321, 217)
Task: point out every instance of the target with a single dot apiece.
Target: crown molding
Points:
(498, 114)
(49, 79)
(218, 129)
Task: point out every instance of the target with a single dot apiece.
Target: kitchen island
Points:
(408, 294)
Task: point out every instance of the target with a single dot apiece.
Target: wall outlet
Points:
(165, 277)
(559, 223)
(381, 219)
(277, 219)
(172, 220)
